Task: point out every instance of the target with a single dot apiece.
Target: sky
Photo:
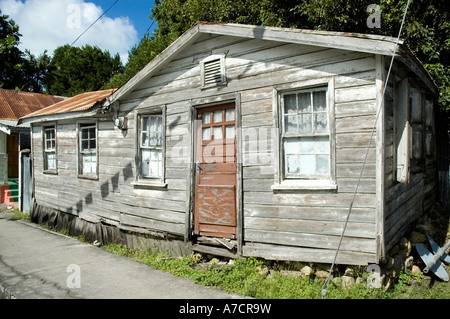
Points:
(48, 24)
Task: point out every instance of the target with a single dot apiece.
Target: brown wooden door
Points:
(13, 155)
(215, 189)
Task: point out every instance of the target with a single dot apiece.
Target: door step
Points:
(216, 251)
(215, 241)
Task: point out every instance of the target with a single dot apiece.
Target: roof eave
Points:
(58, 116)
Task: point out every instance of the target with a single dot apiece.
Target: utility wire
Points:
(327, 281)
(101, 16)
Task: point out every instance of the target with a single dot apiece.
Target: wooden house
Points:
(15, 138)
(243, 140)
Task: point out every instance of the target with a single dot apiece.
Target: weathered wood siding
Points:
(299, 225)
(111, 198)
(405, 202)
(302, 225)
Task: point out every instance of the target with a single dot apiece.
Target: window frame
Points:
(315, 181)
(150, 181)
(81, 125)
(45, 151)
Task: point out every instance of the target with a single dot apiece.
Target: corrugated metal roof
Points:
(81, 102)
(16, 104)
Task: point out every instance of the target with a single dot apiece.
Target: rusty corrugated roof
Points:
(16, 104)
(81, 102)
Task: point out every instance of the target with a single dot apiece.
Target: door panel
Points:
(215, 189)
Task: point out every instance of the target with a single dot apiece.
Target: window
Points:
(305, 134)
(88, 149)
(213, 71)
(50, 148)
(151, 147)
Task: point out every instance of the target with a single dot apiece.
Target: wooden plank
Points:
(361, 215)
(304, 254)
(129, 220)
(359, 230)
(310, 199)
(319, 241)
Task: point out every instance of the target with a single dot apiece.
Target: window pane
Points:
(292, 150)
(217, 133)
(153, 139)
(155, 163)
(307, 145)
(92, 144)
(320, 122)
(89, 163)
(84, 145)
(206, 134)
(290, 104)
(51, 161)
(159, 139)
(145, 139)
(159, 126)
(229, 115)
(320, 101)
(153, 124)
(50, 134)
(206, 118)
(305, 123)
(307, 164)
(218, 116)
(145, 123)
(292, 146)
(292, 164)
(84, 134)
(304, 102)
(291, 123)
(323, 164)
(229, 131)
(145, 163)
(322, 145)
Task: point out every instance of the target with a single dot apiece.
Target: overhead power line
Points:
(101, 16)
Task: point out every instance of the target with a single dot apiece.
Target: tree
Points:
(11, 58)
(76, 70)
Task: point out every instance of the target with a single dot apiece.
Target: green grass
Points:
(246, 279)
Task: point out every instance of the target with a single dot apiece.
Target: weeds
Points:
(246, 278)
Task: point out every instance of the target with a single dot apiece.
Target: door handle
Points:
(199, 166)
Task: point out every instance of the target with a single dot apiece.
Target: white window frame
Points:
(310, 182)
(47, 151)
(81, 152)
(150, 181)
(223, 77)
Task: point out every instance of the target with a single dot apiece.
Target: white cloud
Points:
(48, 24)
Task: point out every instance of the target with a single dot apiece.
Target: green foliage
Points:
(12, 61)
(76, 70)
(138, 57)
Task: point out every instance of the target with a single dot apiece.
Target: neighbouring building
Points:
(15, 138)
